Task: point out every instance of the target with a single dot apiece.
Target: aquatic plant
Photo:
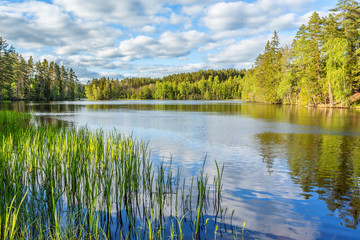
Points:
(82, 184)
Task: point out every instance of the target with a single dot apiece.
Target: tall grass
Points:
(82, 184)
(13, 122)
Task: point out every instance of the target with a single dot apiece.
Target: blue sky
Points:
(151, 38)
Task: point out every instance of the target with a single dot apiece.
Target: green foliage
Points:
(262, 82)
(10, 121)
(75, 183)
(321, 67)
(323, 165)
(338, 82)
(210, 84)
(40, 81)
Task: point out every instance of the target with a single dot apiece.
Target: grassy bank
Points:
(81, 184)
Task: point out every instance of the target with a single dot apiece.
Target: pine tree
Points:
(308, 61)
(30, 85)
(57, 86)
(316, 41)
(46, 80)
(270, 70)
(62, 83)
(21, 77)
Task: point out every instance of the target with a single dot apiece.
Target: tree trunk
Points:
(331, 98)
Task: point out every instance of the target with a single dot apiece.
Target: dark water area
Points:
(290, 172)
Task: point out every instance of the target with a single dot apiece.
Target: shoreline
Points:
(249, 101)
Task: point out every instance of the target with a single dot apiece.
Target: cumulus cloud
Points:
(113, 75)
(98, 37)
(91, 61)
(168, 45)
(162, 70)
(304, 19)
(38, 24)
(129, 13)
(179, 19)
(148, 29)
(241, 52)
(237, 18)
(215, 45)
(84, 66)
(193, 10)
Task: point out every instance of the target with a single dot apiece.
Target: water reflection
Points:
(290, 172)
(46, 120)
(59, 107)
(328, 165)
(343, 121)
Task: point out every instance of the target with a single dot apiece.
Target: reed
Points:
(70, 183)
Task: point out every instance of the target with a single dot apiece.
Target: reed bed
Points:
(82, 184)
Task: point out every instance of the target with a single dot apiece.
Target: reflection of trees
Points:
(22, 106)
(328, 165)
(50, 121)
(228, 108)
(267, 143)
(329, 119)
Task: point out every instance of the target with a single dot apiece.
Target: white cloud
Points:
(148, 29)
(177, 19)
(183, 59)
(114, 75)
(193, 10)
(96, 37)
(215, 45)
(226, 18)
(304, 19)
(292, 4)
(283, 22)
(241, 52)
(129, 13)
(163, 70)
(168, 45)
(234, 15)
(38, 24)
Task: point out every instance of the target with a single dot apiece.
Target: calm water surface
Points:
(290, 172)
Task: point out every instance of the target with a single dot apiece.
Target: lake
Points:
(290, 172)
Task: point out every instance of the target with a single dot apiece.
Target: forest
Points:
(320, 67)
(22, 79)
(208, 85)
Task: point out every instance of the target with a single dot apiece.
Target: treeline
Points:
(208, 85)
(322, 66)
(35, 81)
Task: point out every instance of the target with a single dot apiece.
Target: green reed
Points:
(82, 184)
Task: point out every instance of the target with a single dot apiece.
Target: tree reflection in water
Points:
(328, 165)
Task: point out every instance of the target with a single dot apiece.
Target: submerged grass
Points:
(82, 184)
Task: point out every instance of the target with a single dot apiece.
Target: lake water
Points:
(290, 172)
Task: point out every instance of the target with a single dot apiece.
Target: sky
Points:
(151, 38)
